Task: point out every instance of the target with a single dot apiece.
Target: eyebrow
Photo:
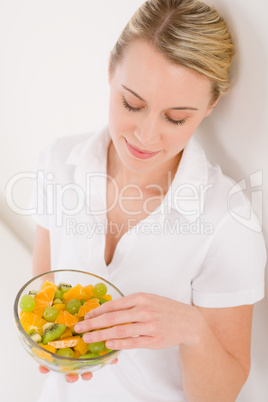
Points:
(171, 108)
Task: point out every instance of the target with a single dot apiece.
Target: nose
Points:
(147, 131)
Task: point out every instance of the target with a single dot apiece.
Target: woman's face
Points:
(155, 107)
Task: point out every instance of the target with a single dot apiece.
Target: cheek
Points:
(180, 136)
(186, 131)
(121, 119)
(177, 141)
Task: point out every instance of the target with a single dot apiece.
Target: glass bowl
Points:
(53, 361)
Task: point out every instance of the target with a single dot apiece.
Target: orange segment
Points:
(103, 352)
(59, 306)
(48, 347)
(77, 292)
(47, 283)
(66, 318)
(78, 317)
(66, 334)
(42, 354)
(81, 347)
(87, 306)
(107, 297)
(31, 321)
(88, 291)
(44, 299)
(65, 343)
(76, 354)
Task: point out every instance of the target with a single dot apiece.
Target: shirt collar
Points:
(90, 160)
(91, 154)
(188, 188)
(186, 193)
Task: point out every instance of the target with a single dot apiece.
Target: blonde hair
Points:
(186, 32)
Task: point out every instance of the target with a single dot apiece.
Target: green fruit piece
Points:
(33, 293)
(100, 289)
(82, 302)
(50, 314)
(64, 287)
(57, 301)
(46, 326)
(108, 350)
(66, 352)
(73, 306)
(96, 347)
(88, 356)
(52, 332)
(58, 295)
(27, 303)
(35, 336)
(101, 300)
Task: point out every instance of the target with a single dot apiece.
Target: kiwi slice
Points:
(35, 336)
(33, 293)
(48, 325)
(64, 287)
(52, 331)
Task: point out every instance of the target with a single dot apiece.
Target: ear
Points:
(212, 107)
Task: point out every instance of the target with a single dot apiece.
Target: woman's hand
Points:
(153, 322)
(74, 377)
(69, 377)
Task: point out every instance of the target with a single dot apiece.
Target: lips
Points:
(140, 153)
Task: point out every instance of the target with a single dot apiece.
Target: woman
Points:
(190, 271)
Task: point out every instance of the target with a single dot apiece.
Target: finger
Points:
(106, 320)
(117, 332)
(86, 376)
(123, 303)
(43, 370)
(140, 342)
(71, 378)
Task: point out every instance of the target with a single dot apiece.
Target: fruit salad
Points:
(50, 314)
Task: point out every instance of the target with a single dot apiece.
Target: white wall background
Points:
(53, 82)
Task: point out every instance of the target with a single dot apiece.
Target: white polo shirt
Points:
(202, 245)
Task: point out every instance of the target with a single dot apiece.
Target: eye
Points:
(130, 108)
(137, 109)
(176, 122)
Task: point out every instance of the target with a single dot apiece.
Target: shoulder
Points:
(63, 153)
(204, 190)
(61, 148)
(232, 271)
(226, 198)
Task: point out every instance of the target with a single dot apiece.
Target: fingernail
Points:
(77, 327)
(87, 376)
(68, 380)
(87, 338)
(109, 344)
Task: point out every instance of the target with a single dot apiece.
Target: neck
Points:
(161, 177)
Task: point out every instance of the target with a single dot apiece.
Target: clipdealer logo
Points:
(54, 198)
(256, 183)
(164, 227)
(63, 200)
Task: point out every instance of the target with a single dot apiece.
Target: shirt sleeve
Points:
(233, 271)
